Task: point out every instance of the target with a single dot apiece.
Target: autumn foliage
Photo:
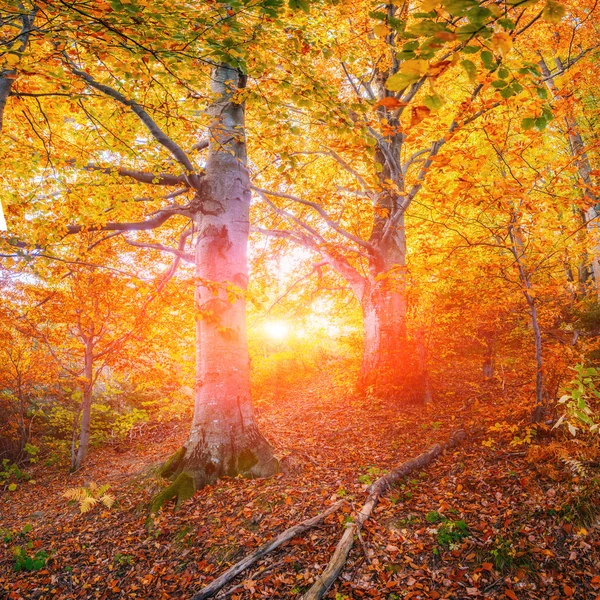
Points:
(259, 253)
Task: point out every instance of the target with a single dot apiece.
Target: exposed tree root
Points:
(326, 579)
(213, 587)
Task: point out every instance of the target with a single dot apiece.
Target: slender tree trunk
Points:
(584, 169)
(224, 439)
(519, 254)
(490, 353)
(86, 406)
(537, 414)
(423, 365)
(22, 428)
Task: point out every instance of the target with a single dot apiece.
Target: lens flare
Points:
(277, 330)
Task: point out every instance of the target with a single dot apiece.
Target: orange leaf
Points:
(438, 68)
(510, 594)
(446, 36)
(418, 114)
(389, 102)
(567, 590)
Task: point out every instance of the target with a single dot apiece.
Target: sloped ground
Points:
(486, 520)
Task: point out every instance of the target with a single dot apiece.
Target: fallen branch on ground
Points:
(213, 587)
(325, 580)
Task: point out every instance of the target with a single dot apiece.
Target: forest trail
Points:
(442, 534)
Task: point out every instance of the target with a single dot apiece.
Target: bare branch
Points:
(161, 217)
(182, 255)
(141, 176)
(323, 214)
(335, 260)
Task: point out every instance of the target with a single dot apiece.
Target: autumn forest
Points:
(299, 299)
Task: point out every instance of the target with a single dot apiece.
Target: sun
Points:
(277, 330)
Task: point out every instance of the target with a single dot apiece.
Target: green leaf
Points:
(528, 123)
(471, 70)
(459, 8)
(433, 102)
(487, 58)
(553, 12)
(300, 4)
(427, 27)
(507, 24)
(12, 487)
(478, 15)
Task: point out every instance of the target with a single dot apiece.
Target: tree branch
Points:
(161, 217)
(322, 213)
(163, 179)
(159, 135)
(182, 255)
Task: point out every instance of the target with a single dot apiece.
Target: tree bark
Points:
(224, 438)
(489, 361)
(390, 363)
(384, 326)
(518, 251)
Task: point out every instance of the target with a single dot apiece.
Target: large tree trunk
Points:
(86, 406)
(224, 439)
(384, 325)
(389, 368)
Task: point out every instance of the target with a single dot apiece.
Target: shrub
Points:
(581, 401)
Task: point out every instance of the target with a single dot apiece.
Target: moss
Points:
(171, 466)
(181, 489)
(246, 460)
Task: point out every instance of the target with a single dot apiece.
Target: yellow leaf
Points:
(429, 5)
(502, 42)
(12, 60)
(417, 66)
(381, 29)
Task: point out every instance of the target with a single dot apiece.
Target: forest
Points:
(300, 299)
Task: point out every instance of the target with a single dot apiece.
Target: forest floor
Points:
(485, 520)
